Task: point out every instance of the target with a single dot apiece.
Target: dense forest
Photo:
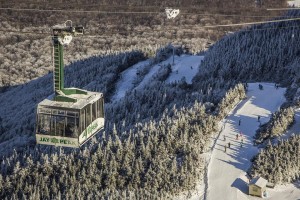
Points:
(154, 138)
(279, 123)
(26, 56)
(279, 163)
(267, 52)
(151, 131)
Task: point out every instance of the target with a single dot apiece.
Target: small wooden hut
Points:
(257, 187)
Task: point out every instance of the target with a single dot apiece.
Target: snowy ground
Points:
(126, 82)
(184, 66)
(227, 170)
(295, 3)
(225, 178)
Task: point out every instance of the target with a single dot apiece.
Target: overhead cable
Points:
(131, 12)
(278, 9)
(251, 23)
(99, 35)
(79, 11)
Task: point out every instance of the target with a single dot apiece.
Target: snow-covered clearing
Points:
(294, 3)
(227, 170)
(126, 82)
(184, 66)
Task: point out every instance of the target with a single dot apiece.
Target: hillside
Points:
(27, 56)
(227, 170)
(157, 129)
(18, 114)
(269, 52)
(165, 111)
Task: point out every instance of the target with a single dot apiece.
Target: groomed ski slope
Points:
(227, 170)
(126, 82)
(184, 66)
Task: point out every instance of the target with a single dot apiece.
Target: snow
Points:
(293, 130)
(295, 3)
(282, 192)
(127, 77)
(226, 175)
(181, 68)
(184, 66)
(227, 170)
(148, 76)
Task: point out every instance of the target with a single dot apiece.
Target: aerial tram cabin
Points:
(70, 116)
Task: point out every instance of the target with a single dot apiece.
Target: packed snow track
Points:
(227, 170)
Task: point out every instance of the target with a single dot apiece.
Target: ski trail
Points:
(184, 66)
(127, 77)
(227, 170)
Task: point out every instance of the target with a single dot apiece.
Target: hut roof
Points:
(259, 181)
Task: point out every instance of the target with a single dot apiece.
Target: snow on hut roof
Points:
(259, 181)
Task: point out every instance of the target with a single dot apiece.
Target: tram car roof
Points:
(82, 100)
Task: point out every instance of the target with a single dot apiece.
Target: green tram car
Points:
(70, 124)
(70, 116)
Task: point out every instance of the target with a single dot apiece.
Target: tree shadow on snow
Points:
(297, 184)
(241, 153)
(4, 89)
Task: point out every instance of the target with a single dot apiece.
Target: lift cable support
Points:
(172, 14)
(62, 35)
(70, 116)
(105, 35)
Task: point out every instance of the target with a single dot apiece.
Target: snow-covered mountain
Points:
(266, 52)
(160, 118)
